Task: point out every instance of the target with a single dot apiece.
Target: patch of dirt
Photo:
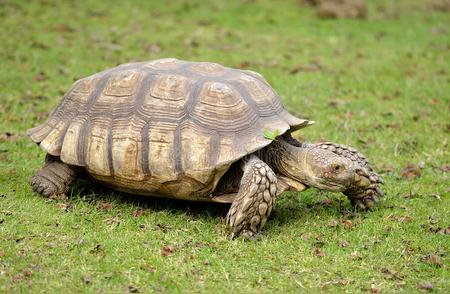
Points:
(440, 5)
(410, 171)
(332, 9)
(9, 137)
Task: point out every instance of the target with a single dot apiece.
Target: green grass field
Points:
(380, 85)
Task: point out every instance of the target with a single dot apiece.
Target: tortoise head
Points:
(326, 170)
(315, 167)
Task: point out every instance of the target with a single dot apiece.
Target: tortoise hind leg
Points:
(54, 178)
(254, 200)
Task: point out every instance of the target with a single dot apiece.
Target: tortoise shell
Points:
(166, 127)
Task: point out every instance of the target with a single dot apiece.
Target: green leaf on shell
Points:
(271, 135)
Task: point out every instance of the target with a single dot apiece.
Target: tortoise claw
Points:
(379, 191)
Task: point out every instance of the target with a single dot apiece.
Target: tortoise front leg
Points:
(366, 190)
(54, 178)
(254, 200)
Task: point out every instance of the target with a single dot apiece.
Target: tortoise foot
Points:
(253, 204)
(44, 186)
(251, 235)
(54, 179)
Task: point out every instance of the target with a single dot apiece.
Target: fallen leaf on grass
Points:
(432, 259)
(445, 168)
(164, 277)
(318, 252)
(244, 64)
(348, 224)
(435, 101)
(343, 282)
(259, 281)
(65, 207)
(86, 279)
(167, 250)
(435, 260)
(311, 68)
(343, 243)
(97, 248)
(326, 202)
(196, 271)
(105, 205)
(112, 222)
(132, 289)
(400, 284)
(333, 223)
(152, 48)
(390, 274)
(62, 28)
(374, 289)
(138, 212)
(426, 286)
(41, 77)
(16, 278)
(410, 171)
(164, 227)
(355, 255)
(148, 268)
(334, 102)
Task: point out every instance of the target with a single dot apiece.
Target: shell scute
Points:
(85, 86)
(161, 147)
(70, 151)
(123, 83)
(265, 98)
(222, 108)
(199, 152)
(126, 153)
(170, 87)
(164, 64)
(166, 98)
(208, 69)
(97, 158)
(219, 95)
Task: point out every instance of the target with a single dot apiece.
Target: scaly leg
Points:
(366, 191)
(54, 178)
(255, 198)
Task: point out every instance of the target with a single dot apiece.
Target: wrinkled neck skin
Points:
(310, 166)
(285, 159)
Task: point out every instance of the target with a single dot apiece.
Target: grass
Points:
(380, 85)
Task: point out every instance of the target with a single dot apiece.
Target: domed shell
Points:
(165, 127)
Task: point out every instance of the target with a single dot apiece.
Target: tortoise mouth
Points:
(329, 185)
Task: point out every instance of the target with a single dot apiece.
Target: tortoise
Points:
(193, 131)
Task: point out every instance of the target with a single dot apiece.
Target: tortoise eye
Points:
(337, 167)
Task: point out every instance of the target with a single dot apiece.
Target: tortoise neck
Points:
(285, 158)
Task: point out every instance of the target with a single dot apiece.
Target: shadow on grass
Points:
(290, 208)
(93, 192)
